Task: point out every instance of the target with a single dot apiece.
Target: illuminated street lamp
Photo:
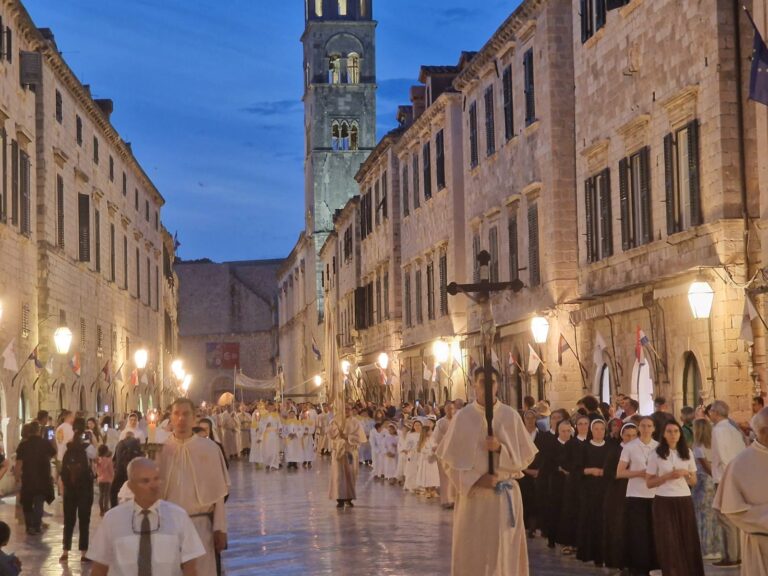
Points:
(177, 369)
(700, 297)
(345, 366)
(441, 351)
(140, 357)
(318, 380)
(383, 361)
(186, 383)
(540, 329)
(62, 338)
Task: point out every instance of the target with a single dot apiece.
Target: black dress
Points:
(592, 494)
(569, 516)
(613, 509)
(545, 443)
(555, 491)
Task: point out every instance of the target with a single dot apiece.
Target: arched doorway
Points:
(642, 386)
(691, 381)
(411, 398)
(605, 384)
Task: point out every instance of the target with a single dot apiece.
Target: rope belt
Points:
(506, 487)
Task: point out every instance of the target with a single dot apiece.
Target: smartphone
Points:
(51, 433)
(418, 403)
(105, 428)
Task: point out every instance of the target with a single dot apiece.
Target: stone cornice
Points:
(423, 122)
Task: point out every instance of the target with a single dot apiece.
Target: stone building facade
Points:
(83, 235)
(227, 322)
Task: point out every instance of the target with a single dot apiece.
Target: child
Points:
(9, 564)
(389, 453)
(428, 476)
(412, 457)
(376, 440)
(105, 475)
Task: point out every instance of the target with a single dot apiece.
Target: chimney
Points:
(404, 115)
(418, 94)
(106, 106)
(128, 145)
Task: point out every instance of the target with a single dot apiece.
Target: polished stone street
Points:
(283, 524)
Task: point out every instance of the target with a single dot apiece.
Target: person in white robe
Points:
(390, 443)
(229, 431)
(742, 496)
(308, 437)
(292, 433)
(346, 436)
(376, 439)
(488, 531)
(194, 476)
(447, 491)
(412, 457)
(256, 455)
(271, 439)
(243, 420)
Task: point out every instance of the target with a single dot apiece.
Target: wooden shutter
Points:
(589, 220)
(490, 122)
(384, 196)
(376, 201)
(406, 208)
(24, 183)
(386, 295)
(443, 284)
(626, 227)
(694, 178)
(84, 227)
(427, 161)
(112, 267)
(4, 187)
(97, 239)
(514, 262)
(600, 14)
(440, 158)
(125, 262)
(473, 154)
(416, 188)
(431, 290)
(360, 309)
(9, 44)
(530, 91)
(60, 212)
(369, 304)
(584, 14)
(14, 183)
(493, 248)
(534, 269)
(645, 194)
(669, 184)
(475, 264)
(606, 218)
(509, 124)
(407, 297)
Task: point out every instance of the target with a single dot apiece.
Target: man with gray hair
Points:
(727, 443)
(145, 536)
(743, 499)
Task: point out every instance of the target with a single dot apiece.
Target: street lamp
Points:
(177, 369)
(140, 357)
(62, 338)
(383, 361)
(441, 351)
(318, 380)
(540, 329)
(345, 366)
(700, 297)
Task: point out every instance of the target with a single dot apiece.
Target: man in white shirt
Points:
(145, 535)
(727, 443)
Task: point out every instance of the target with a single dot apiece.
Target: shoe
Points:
(340, 504)
(727, 563)
(349, 504)
(84, 558)
(64, 557)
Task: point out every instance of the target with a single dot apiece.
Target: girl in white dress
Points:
(390, 441)
(429, 473)
(412, 457)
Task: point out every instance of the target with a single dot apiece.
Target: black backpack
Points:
(75, 468)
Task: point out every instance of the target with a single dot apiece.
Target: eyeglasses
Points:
(152, 530)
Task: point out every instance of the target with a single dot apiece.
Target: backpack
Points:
(75, 468)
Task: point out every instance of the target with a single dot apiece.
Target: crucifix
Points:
(480, 293)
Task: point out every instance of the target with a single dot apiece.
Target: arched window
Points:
(363, 8)
(354, 137)
(541, 387)
(691, 380)
(335, 137)
(344, 136)
(82, 399)
(353, 68)
(342, 7)
(642, 386)
(99, 406)
(605, 384)
(319, 8)
(334, 69)
(23, 407)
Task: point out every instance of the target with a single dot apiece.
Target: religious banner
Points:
(222, 355)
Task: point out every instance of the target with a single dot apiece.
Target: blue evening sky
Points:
(209, 94)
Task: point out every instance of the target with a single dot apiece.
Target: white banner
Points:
(243, 381)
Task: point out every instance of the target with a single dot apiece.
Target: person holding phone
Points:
(33, 470)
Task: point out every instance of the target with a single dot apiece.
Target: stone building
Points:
(340, 131)
(519, 200)
(81, 240)
(227, 322)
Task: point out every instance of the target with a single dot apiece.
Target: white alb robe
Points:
(270, 444)
(447, 490)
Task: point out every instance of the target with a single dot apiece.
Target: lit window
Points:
(334, 70)
(318, 7)
(342, 7)
(353, 68)
(353, 137)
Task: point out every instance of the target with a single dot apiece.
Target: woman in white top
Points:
(671, 472)
(638, 509)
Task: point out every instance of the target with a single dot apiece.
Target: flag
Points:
(74, 363)
(316, 350)
(144, 379)
(456, 365)
(427, 374)
(749, 314)
(758, 78)
(176, 243)
(600, 346)
(9, 357)
(134, 377)
(533, 360)
(119, 374)
(472, 367)
(107, 373)
(436, 373)
(36, 359)
(562, 348)
(495, 362)
(49, 366)
(639, 346)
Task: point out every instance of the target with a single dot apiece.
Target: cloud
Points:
(455, 15)
(274, 108)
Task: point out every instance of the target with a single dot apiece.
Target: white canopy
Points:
(246, 383)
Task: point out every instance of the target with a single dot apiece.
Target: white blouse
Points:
(637, 454)
(658, 466)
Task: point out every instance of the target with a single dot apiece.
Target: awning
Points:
(246, 383)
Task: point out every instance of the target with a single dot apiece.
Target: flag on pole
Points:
(36, 359)
(639, 336)
(49, 365)
(134, 377)
(495, 362)
(74, 363)
(533, 360)
(427, 374)
(562, 348)
(107, 373)
(600, 346)
(176, 243)
(119, 374)
(436, 373)
(749, 314)
(316, 350)
(758, 78)
(9, 357)
(144, 379)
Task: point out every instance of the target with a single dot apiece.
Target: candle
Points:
(152, 428)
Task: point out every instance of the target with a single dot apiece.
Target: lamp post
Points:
(701, 297)
(481, 294)
(62, 338)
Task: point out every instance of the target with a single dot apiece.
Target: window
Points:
(443, 284)
(490, 123)
(597, 205)
(4, 186)
(146, 210)
(125, 184)
(377, 202)
(112, 274)
(95, 150)
(493, 248)
(83, 334)
(417, 296)
(386, 295)
(379, 309)
(14, 183)
(406, 192)
(138, 274)
(416, 187)
(97, 234)
(514, 262)
(530, 92)
(319, 8)
(111, 169)
(473, 155)
(384, 196)
(99, 341)
(426, 156)
(407, 297)
(354, 137)
(681, 168)
(157, 287)
(348, 244)
(334, 69)
(475, 251)
(534, 270)
(149, 283)
(344, 137)
(125, 262)
(335, 137)
(593, 14)
(136, 199)
(635, 199)
(60, 212)
(84, 227)
(440, 159)
(342, 7)
(509, 122)
(8, 43)
(59, 108)
(157, 220)
(79, 130)
(353, 68)
(431, 291)
(26, 311)
(25, 191)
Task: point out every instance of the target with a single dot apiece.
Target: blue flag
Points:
(758, 80)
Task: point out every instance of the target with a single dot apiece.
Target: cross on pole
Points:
(481, 294)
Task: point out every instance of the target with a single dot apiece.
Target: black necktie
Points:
(145, 546)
